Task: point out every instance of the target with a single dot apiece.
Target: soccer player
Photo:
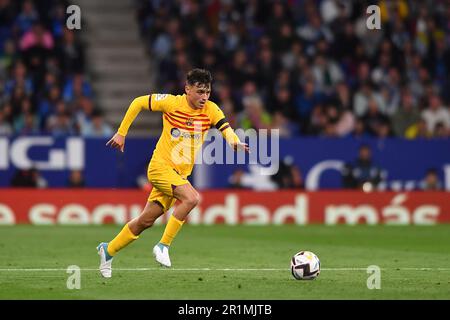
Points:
(186, 120)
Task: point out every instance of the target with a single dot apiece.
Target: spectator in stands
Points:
(19, 80)
(440, 131)
(48, 105)
(23, 179)
(76, 87)
(76, 179)
(287, 129)
(418, 130)
(363, 172)
(317, 122)
(97, 127)
(38, 38)
(235, 180)
(406, 115)
(342, 120)
(71, 54)
(26, 122)
(255, 179)
(227, 104)
(27, 17)
(254, 115)
(313, 30)
(58, 20)
(384, 131)
(297, 178)
(436, 112)
(60, 124)
(342, 97)
(431, 181)
(7, 18)
(307, 100)
(28, 178)
(391, 91)
(327, 73)
(5, 127)
(348, 181)
(283, 102)
(364, 96)
(289, 175)
(374, 119)
(359, 132)
(7, 58)
(7, 112)
(83, 109)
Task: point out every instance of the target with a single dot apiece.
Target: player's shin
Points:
(173, 226)
(124, 238)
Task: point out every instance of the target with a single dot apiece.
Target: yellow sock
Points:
(173, 226)
(124, 238)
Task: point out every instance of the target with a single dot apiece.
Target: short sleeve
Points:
(162, 102)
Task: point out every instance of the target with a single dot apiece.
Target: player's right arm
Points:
(153, 102)
(136, 106)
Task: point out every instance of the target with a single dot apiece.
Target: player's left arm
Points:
(219, 121)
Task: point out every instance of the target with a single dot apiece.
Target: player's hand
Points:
(241, 146)
(117, 142)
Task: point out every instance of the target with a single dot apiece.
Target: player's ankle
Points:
(162, 245)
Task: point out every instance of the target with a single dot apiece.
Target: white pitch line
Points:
(211, 269)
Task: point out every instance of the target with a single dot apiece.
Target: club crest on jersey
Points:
(190, 121)
(175, 132)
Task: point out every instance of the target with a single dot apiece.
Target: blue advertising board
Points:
(320, 160)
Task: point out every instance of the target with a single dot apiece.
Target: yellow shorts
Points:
(164, 179)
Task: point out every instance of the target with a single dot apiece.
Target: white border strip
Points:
(212, 269)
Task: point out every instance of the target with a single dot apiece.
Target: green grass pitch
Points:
(228, 262)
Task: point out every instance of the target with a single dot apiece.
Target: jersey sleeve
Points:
(136, 106)
(219, 121)
(162, 102)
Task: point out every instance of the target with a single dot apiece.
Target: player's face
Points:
(197, 95)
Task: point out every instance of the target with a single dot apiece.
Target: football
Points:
(305, 265)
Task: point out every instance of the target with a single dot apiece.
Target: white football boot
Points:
(161, 254)
(105, 260)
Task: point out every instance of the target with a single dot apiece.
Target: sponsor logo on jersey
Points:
(175, 132)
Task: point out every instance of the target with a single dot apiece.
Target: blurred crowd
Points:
(310, 67)
(33, 178)
(305, 67)
(44, 87)
(288, 176)
(362, 173)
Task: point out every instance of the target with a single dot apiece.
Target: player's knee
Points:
(193, 199)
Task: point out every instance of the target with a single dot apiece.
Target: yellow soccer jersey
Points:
(184, 128)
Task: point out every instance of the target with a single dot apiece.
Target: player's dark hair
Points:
(198, 76)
